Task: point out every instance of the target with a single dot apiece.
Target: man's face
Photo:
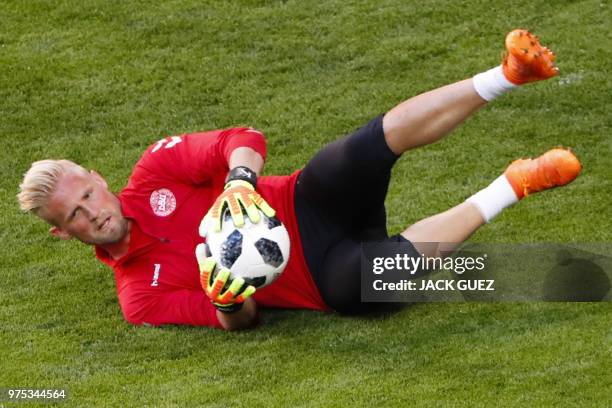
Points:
(82, 207)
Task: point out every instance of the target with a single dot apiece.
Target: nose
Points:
(92, 211)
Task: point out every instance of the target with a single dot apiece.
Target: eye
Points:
(73, 214)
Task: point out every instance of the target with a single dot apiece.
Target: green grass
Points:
(96, 82)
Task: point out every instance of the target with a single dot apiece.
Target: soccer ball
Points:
(258, 253)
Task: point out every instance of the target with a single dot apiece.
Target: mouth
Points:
(104, 224)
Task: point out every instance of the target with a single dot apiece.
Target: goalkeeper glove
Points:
(226, 294)
(239, 192)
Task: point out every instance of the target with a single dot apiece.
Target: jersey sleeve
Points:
(184, 306)
(197, 157)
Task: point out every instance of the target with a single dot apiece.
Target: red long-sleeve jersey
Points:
(171, 188)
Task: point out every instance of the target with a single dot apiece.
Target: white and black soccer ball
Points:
(258, 253)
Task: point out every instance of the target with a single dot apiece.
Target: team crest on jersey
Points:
(163, 202)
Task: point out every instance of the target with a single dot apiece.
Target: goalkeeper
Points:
(148, 232)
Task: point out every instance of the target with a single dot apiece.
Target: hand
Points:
(238, 194)
(226, 299)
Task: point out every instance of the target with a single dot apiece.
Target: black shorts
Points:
(340, 203)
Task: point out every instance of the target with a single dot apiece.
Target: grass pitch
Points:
(97, 81)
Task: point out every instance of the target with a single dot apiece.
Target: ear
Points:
(59, 233)
(99, 179)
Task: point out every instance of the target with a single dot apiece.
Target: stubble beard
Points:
(113, 234)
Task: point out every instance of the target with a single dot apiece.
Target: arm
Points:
(247, 316)
(247, 157)
(194, 308)
(197, 157)
(240, 191)
(231, 296)
(242, 319)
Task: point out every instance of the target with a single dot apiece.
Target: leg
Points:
(340, 280)
(449, 228)
(428, 117)
(339, 277)
(557, 167)
(333, 182)
(338, 273)
(330, 188)
(330, 202)
(334, 175)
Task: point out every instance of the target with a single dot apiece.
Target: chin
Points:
(114, 234)
(117, 232)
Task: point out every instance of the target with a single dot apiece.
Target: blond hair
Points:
(39, 183)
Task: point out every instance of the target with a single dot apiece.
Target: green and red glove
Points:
(226, 294)
(239, 193)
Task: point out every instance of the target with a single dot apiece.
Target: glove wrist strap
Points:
(242, 173)
(233, 308)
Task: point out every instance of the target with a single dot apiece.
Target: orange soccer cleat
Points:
(527, 60)
(556, 167)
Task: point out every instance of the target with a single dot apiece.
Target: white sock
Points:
(492, 83)
(491, 200)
